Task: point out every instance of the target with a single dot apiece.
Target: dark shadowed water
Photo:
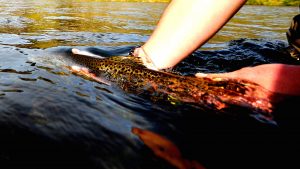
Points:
(52, 118)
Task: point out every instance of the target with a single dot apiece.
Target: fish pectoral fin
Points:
(85, 73)
(76, 51)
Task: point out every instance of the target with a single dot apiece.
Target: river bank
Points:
(249, 2)
(274, 2)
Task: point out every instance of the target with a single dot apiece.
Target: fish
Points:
(131, 75)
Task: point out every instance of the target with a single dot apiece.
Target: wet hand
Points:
(277, 78)
(146, 60)
(255, 74)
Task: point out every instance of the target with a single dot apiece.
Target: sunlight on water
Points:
(59, 23)
(65, 23)
(51, 117)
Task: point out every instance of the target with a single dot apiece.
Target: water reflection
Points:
(165, 149)
(71, 22)
(68, 23)
(51, 117)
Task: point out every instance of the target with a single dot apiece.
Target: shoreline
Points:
(249, 2)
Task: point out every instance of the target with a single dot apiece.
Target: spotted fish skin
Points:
(130, 75)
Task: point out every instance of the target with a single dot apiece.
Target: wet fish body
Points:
(130, 75)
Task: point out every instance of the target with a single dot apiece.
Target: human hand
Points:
(277, 78)
(146, 60)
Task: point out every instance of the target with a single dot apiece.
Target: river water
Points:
(52, 118)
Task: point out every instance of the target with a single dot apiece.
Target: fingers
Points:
(140, 52)
(217, 75)
(201, 75)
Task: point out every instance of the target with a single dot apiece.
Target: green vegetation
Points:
(249, 2)
(274, 2)
(132, 0)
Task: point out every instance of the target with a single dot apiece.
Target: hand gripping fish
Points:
(128, 73)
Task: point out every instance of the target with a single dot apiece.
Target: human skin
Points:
(277, 78)
(187, 25)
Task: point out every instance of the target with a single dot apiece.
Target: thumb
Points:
(214, 75)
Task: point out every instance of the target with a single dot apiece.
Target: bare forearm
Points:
(185, 26)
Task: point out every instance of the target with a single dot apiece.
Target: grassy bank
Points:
(274, 2)
(249, 2)
(132, 0)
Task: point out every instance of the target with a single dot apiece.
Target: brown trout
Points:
(128, 73)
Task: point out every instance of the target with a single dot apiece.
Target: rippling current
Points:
(52, 118)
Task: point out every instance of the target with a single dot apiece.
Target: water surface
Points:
(52, 118)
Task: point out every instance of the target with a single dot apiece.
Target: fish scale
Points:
(130, 75)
